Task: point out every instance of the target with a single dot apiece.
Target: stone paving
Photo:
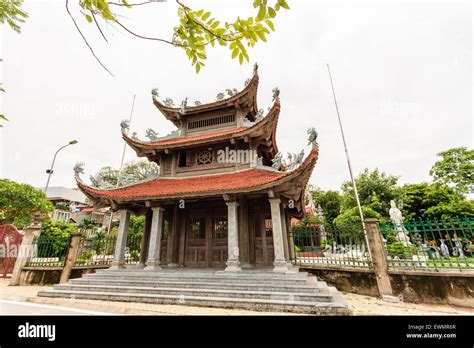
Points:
(360, 305)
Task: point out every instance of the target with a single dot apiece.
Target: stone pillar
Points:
(32, 231)
(291, 244)
(378, 257)
(233, 263)
(285, 234)
(145, 240)
(119, 256)
(154, 250)
(280, 264)
(71, 254)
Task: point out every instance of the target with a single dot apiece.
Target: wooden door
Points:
(219, 241)
(196, 242)
(261, 227)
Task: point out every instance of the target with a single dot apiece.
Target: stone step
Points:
(157, 276)
(254, 286)
(198, 292)
(337, 307)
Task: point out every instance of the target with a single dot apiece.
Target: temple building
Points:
(224, 198)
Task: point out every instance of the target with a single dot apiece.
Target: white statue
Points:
(397, 219)
(395, 213)
(444, 249)
(458, 247)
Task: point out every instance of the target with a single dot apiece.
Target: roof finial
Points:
(125, 125)
(276, 94)
(78, 169)
(154, 92)
(255, 68)
(313, 136)
(183, 105)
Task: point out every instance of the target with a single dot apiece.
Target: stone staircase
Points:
(261, 290)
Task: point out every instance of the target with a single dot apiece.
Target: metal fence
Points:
(99, 250)
(47, 252)
(429, 244)
(328, 246)
(95, 251)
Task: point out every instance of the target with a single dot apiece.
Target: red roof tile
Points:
(165, 187)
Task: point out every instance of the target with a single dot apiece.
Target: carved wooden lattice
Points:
(204, 157)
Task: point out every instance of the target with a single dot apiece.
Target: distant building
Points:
(69, 204)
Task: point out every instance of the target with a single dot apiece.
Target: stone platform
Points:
(261, 290)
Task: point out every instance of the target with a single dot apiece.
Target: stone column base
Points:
(140, 265)
(233, 266)
(152, 267)
(117, 266)
(280, 267)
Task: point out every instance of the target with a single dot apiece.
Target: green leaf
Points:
(235, 52)
(256, 3)
(261, 12)
(283, 4)
(261, 35)
(89, 18)
(220, 31)
(206, 16)
(198, 68)
(215, 25)
(271, 12)
(241, 59)
(270, 24)
(199, 13)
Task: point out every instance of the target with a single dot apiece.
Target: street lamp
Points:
(50, 170)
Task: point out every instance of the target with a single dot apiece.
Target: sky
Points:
(402, 73)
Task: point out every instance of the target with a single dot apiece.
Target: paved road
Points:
(8, 307)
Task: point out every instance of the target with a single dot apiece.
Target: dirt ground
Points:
(359, 304)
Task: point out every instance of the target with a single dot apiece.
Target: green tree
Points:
(351, 217)
(429, 201)
(19, 202)
(330, 202)
(86, 226)
(108, 177)
(456, 167)
(12, 14)
(56, 234)
(375, 188)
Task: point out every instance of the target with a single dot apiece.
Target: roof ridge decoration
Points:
(295, 159)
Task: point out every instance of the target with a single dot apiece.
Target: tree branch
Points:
(98, 27)
(130, 5)
(148, 38)
(85, 40)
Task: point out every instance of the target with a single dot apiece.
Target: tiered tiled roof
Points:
(247, 95)
(268, 124)
(249, 180)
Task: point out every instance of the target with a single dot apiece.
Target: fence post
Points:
(70, 257)
(32, 231)
(378, 257)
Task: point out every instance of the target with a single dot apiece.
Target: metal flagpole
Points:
(123, 157)
(356, 193)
